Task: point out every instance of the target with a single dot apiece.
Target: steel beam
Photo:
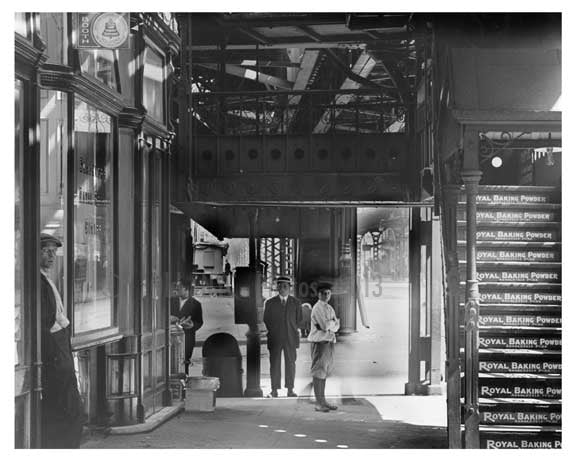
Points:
(363, 67)
(250, 74)
(307, 64)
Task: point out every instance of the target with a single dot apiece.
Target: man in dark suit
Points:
(282, 317)
(186, 311)
(62, 410)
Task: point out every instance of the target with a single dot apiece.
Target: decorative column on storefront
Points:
(453, 379)
(471, 177)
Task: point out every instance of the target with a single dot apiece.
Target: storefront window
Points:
(53, 148)
(154, 84)
(156, 227)
(21, 24)
(102, 65)
(18, 243)
(53, 29)
(93, 219)
(145, 232)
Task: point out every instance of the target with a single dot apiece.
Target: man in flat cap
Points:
(62, 411)
(282, 317)
(186, 311)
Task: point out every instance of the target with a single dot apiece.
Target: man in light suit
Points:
(187, 312)
(282, 317)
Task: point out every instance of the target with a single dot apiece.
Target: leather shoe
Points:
(321, 408)
(330, 406)
(274, 393)
(291, 393)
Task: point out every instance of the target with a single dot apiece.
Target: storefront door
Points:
(153, 311)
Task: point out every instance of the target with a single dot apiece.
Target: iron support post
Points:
(253, 336)
(453, 388)
(471, 180)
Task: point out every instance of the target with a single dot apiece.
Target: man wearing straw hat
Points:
(282, 317)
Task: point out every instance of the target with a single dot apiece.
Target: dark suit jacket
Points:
(62, 408)
(191, 308)
(282, 323)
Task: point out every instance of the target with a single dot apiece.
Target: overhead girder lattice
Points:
(277, 254)
(306, 73)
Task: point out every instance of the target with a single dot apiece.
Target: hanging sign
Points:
(102, 30)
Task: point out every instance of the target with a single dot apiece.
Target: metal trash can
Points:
(222, 358)
(201, 393)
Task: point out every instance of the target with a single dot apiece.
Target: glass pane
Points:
(154, 84)
(156, 233)
(53, 146)
(145, 232)
(21, 25)
(18, 243)
(160, 360)
(93, 283)
(54, 32)
(99, 64)
(21, 422)
(147, 369)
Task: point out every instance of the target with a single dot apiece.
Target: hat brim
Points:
(46, 239)
(283, 280)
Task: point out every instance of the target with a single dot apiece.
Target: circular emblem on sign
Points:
(110, 30)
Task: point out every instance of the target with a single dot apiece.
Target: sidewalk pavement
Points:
(371, 369)
(290, 423)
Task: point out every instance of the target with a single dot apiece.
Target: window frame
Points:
(150, 46)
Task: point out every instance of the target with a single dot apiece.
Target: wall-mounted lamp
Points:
(496, 161)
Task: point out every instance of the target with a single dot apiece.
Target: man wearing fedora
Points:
(283, 317)
(62, 410)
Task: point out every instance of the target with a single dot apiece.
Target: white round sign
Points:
(110, 30)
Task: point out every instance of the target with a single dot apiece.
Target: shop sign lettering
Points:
(102, 30)
(499, 444)
(519, 367)
(519, 417)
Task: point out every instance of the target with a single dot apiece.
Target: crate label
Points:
(521, 298)
(530, 216)
(528, 392)
(513, 366)
(516, 342)
(522, 236)
(518, 255)
(517, 276)
(520, 320)
(520, 417)
(499, 443)
(511, 198)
